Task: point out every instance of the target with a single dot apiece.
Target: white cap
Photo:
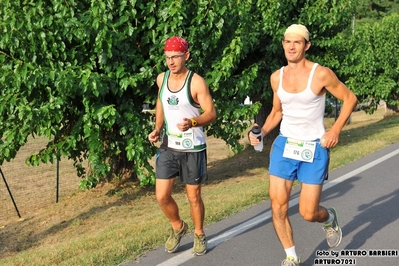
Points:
(298, 29)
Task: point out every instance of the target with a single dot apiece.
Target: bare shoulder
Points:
(323, 73)
(198, 82)
(161, 75)
(200, 92)
(160, 79)
(275, 79)
(325, 78)
(198, 78)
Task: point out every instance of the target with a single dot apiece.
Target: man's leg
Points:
(279, 191)
(197, 210)
(163, 191)
(309, 207)
(311, 211)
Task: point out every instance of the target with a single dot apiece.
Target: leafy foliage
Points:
(372, 11)
(373, 65)
(78, 72)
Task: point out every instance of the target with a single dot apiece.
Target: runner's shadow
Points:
(373, 217)
(332, 193)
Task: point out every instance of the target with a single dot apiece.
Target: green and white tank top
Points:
(176, 106)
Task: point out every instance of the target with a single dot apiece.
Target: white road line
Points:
(187, 255)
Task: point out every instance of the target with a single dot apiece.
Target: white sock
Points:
(330, 218)
(291, 253)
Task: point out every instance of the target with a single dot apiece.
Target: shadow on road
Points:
(372, 217)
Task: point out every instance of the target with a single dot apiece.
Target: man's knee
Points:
(309, 216)
(163, 198)
(194, 199)
(194, 194)
(279, 211)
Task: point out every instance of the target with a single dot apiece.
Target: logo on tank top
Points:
(173, 102)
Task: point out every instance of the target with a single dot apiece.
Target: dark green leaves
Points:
(78, 72)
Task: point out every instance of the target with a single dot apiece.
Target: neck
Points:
(182, 73)
(297, 66)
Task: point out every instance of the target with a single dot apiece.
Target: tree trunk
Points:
(121, 169)
(390, 110)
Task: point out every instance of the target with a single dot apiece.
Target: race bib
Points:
(299, 150)
(181, 140)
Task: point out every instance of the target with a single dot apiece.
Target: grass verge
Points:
(113, 224)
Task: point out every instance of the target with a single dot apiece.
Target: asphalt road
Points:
(366, 196)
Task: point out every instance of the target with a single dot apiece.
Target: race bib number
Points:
(181, 140)
(299, 150)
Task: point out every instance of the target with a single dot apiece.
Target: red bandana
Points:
(176, 44)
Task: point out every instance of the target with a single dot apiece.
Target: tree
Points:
(370, 11)
(78, 72)
(69, 73)
(373, 64)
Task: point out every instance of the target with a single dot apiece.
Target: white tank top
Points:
(176, 106)
(303, 112)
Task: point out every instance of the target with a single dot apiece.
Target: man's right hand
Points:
(153, 136)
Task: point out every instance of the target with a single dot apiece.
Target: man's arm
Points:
(159, 116)
(341, 92)
(274, 118)
(276, 114)
(202, 96)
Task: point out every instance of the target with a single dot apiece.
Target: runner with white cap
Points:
(301, 151)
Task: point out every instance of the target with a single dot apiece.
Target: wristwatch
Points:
(193, 122)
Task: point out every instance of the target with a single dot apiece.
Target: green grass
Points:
(113, 224)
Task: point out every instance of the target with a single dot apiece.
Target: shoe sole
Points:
(199, 253)
(174, 249)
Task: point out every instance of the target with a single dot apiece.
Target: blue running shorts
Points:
(306, 172)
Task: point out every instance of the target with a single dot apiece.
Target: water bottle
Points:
(256, 130)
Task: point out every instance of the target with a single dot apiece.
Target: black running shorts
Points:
(189, 166)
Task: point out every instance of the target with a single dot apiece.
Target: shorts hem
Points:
(283, 177)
